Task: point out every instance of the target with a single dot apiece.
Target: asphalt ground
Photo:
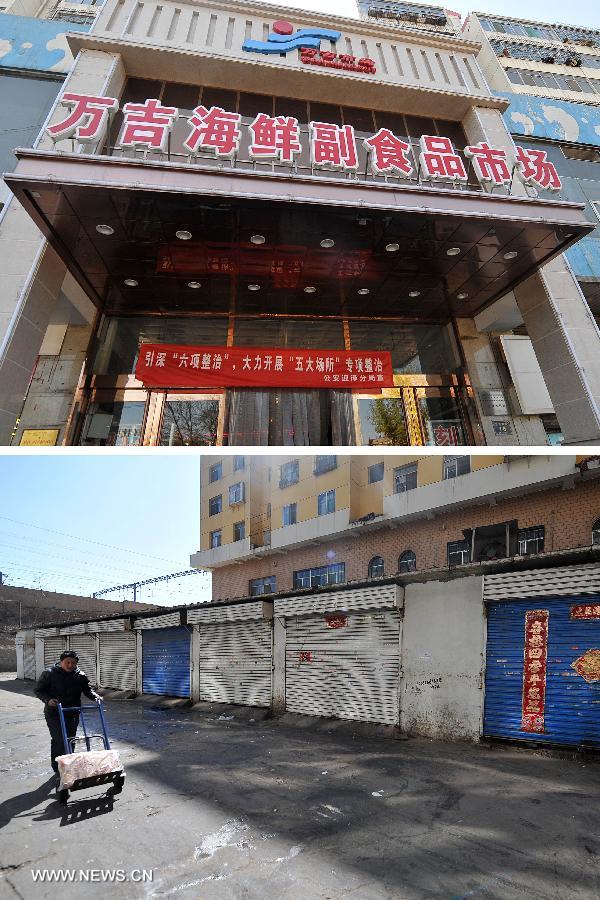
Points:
(223, 803)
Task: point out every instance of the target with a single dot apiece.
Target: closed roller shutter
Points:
(345, 666)
(29, 661)
(235, 662)
(118, 661)
(53, 647)
(571, 708)
(84, 646)
(166, 661)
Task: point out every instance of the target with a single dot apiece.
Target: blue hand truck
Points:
(116, 779)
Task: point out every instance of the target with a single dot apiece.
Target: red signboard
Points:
(586, 611)
(336, 621)
(176, 366)
(534, 671)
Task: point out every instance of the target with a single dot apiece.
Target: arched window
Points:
(407, 562)
(596, 533)
(376, 567)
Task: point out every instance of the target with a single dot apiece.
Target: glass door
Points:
(184, 420)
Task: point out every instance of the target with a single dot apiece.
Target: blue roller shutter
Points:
(572, 706)
(166, 661)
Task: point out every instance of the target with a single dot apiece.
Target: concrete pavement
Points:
(220, 803)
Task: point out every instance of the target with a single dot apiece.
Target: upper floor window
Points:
(259, 586)
(376, 473)
(239, 531)
(407, 562)
(324, 464)
(289, 473)
(459, 553)
(405, 478)
(456, 465)
(596, 533)
(376, 567)
(215, 505)
(239, 463)
(215, 472)
(288, 514)
(320, 576)
(531, 540)
(215, 539)
(326, 503)
(236, 493)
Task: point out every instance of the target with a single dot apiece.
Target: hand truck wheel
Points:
(63, 796)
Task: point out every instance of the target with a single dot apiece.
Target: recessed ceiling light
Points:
(254, 287)
(309, 289)
(194, 284)
(511, 254)
(414, 293)
(363, 291)
(391, 248)
(327, 242)
(183, 235)
(130, 282)
(462, 296)
(104, 229)
(36, 194)
(362, 221)
(453, 251)
(257, 239)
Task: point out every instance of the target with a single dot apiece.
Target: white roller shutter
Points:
(117, 661)
(29, 661)
(84, 646)
(562, 581)
(345, 666)
(235, 662)
(53, 647)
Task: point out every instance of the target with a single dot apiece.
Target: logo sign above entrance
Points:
(283, 39)
(172, 365)
(279, 139)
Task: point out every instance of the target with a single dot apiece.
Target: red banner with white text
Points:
(178, 366)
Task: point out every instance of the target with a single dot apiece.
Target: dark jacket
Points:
(66, 687)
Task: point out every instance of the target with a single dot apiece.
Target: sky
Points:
(80, 523)
(579, 12)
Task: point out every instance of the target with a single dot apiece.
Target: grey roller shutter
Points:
(118, 660)
(235, 662)
(84, 646)
(344, 666)
(53, 647)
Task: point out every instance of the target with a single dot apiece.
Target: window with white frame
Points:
(531, 540)
(320, 576)
(459, 553)
(215, 472)
(288, 514)
(405, 478)
(376, 473)
(239, 531)
(236, 493)
(289, 473)
(456, 465)
(239, 463)
(326, 503)
(215, 538)
(324, 464)
(407, 562)
(260, 586)
(376, 567)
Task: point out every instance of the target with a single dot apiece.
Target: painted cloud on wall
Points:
(38, 45)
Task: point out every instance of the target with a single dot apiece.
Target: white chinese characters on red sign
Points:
(278, 138)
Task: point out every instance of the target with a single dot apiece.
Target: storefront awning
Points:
(153, 237)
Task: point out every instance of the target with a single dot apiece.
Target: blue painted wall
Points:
(38, 45)
(560, 121)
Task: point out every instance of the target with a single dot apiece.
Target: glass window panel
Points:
(287, 106)
(219, 97)
(360, 119)
(415, 349)
(288, 333)
(253, 104)
(113, 424)
(441, 417)
(183, 96)
(382, 422)
(189, 423)
(394, 121)
(417, 125)
(325, 112)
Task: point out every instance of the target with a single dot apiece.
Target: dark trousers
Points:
(57, 746)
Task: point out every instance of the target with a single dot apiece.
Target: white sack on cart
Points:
(86, 764)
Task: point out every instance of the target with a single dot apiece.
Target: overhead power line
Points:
(135, 585)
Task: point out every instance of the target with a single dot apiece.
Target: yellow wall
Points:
(305, 492)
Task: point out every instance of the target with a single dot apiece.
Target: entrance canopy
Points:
(150, 237)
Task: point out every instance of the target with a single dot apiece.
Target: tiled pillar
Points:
(32, 273)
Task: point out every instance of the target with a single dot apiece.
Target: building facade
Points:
(551, 76)
(276, 524)
(313, 230)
